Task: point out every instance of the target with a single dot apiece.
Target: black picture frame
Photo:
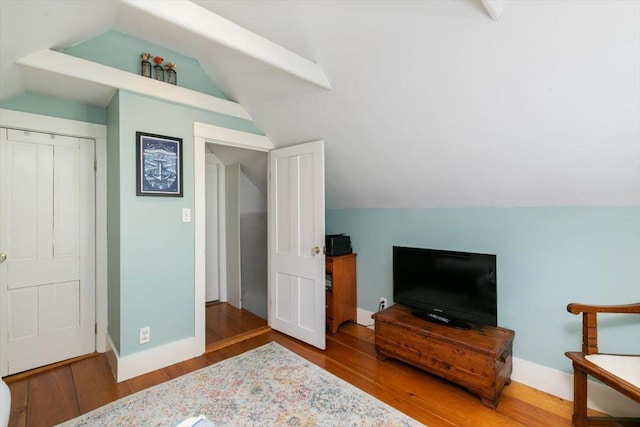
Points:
(158, 165)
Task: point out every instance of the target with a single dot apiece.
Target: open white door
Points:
(296, 238)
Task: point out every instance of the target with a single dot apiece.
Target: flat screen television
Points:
(446, 287)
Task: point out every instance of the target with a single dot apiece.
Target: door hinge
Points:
(95, 165)
(95, 328)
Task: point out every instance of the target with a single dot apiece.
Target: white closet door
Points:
(296, 238)
(47, 231)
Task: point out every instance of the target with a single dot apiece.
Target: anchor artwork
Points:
(159, 165)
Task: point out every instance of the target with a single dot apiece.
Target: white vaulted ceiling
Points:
(431, 103)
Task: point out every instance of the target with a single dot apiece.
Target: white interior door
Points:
(296, 238)
(47, 231)
(212, 287)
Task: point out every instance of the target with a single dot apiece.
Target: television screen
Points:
(448, 287)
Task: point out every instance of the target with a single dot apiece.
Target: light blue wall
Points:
(56, 107)
(156, 250)
(122, 51)
(547, 258)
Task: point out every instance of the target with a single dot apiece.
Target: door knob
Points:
(3, 256)
(316, 250)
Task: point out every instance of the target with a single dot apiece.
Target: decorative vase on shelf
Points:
(158, 71)
(172, 77)
(145, 65)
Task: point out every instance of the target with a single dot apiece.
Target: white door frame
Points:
(46, 124)
(212, 159)
(202, 134)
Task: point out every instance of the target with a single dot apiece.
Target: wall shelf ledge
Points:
(70, 66)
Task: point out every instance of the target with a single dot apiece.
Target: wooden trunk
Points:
(479, 359)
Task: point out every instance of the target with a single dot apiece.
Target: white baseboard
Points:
(543, 378)
(112, 356)
(364, 318)
(140, 363)
(555, 382)
(560, 384)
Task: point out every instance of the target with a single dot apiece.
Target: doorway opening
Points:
(235, 244)
(296, 264)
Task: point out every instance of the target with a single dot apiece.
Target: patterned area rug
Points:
(267, 386)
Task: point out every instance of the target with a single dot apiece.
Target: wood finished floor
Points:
(65, 392)
(225, 322)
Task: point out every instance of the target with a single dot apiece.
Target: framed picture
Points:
(158, 165)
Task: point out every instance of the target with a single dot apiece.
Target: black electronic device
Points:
(338, 244)
(447, 287)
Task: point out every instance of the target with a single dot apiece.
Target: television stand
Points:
(479, 359)
(441, 320)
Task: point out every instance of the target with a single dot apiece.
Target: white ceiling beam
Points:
(494, 8)
(205, 23)
(71, 66)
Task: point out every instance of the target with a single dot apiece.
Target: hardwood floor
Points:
(226, 324)
(62, 393)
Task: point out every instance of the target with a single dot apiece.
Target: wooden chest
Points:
(479, 359)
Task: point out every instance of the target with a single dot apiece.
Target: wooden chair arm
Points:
(576, 308)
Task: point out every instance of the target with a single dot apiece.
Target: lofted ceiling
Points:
(431, 103)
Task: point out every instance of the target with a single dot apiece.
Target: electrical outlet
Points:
(145, 335)
(383, 304)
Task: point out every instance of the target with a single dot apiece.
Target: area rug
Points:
(267, 386)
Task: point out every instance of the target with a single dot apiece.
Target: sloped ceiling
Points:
(30, 26)
(432, 103)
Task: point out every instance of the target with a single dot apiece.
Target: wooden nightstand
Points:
(341, 296)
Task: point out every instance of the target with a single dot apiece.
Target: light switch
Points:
(186, 215)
